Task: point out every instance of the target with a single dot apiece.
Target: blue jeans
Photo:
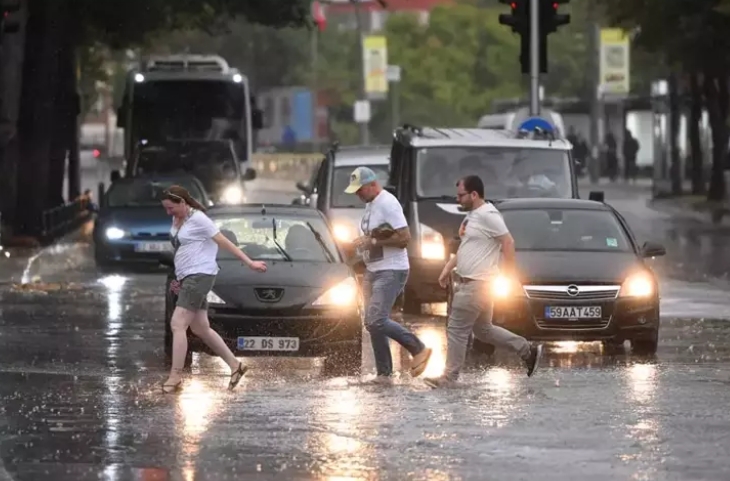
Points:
(380, 290)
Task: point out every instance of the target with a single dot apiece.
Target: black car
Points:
(132, 226)
(213, 162)
(582, 276)
(306, 304)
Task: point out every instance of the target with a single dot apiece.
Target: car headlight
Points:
(114, 233)
(503, 287)
(344, 232)
(213, 298)
(233, 194)
(341, 295)
(638, 285)
(432, 244)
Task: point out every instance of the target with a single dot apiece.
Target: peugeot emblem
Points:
(266, 294)
(572, 290)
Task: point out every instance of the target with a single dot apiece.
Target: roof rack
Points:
(209, 63)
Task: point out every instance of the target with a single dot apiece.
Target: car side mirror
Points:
(391, 189)
(115, 175)
(652, 249)
(250, 174)
(303, 187)
(597, 195)
(167, 259)
(257, 119)
(454, 245)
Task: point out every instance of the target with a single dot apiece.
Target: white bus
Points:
(187, 97)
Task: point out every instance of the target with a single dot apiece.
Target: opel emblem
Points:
(573, 290)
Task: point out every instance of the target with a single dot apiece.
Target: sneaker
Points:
(533, 361)
(420, 361)
(439, 382)
(378, 381)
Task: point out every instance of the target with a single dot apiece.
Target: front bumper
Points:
(319, 333)
(622, 319)
(130, 250)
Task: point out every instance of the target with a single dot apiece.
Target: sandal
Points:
(236, 376)
(172, 388)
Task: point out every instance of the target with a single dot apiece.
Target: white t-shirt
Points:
(479, 252)
(198, 251)
(384, 209)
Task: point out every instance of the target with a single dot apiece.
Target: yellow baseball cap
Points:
(360, 177)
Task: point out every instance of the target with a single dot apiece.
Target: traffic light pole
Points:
(534, 57)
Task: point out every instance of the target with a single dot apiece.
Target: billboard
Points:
(375, 66)
(615, 62)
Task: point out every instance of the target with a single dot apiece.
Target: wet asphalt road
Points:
(81, 362)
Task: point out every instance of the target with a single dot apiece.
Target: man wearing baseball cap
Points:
(382, 243)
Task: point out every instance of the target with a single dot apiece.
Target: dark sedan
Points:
(582, 276)
(132, 226)
(306, 304)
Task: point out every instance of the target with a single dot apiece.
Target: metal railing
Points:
(59, 221)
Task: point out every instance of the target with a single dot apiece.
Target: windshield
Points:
(147, 193)
(507, 172)
(566, 230)
(341, 179)
(209, 161)
(192, 109)
(254, 235)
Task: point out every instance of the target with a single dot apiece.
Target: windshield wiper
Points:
(283, 253)
(320, 241)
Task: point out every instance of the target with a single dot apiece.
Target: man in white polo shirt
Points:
(485, 240)
(386, 262)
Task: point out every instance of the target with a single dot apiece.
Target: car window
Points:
(254, 234)
(507, 172)
(200, 157)
(566, 230)
(145, 193)
(341, 179)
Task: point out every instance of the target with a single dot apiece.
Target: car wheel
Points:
(646, 345)
(411, 304)
(344, 361)
(482, 347)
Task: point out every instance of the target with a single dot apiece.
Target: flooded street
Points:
(82, 359)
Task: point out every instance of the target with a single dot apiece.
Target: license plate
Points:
(268, 343)
(573, 312)
(153, 247)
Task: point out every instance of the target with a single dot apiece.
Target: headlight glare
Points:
(503, 287)
(233, 194)
(114, 233)
(341, 295)
(344, 232)
(432, 244)
(213, 298)
(638, 285)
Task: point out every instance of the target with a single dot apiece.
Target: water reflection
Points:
(196, 406)
(435, 338)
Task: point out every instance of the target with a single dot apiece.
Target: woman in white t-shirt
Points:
(196, 240)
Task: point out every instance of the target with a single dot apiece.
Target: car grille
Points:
(151, 236)
(573, 325)
(561, 293)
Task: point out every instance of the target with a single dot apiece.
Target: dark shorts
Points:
(194, 290)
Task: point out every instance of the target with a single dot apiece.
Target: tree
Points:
(690, 36)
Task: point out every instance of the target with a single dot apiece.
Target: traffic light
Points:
(7, 23)
(548, 22)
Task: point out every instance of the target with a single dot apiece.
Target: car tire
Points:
(344, 361)
(613, 346)
(411, 304)
(646, 345)
(482, 347)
